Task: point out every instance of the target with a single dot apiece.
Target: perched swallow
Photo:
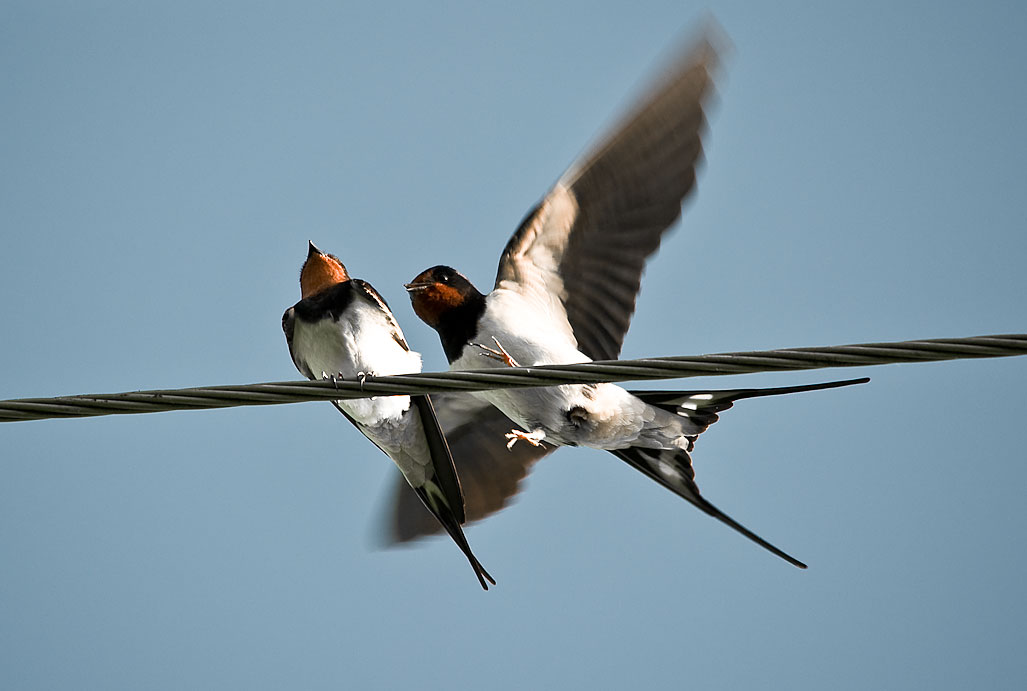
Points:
(343, 327)
(565, 293)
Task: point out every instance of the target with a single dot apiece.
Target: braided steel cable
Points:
(276, 393)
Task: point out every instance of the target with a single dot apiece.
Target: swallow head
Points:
(320, 271)
(439, 291)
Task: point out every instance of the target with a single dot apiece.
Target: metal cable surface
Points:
(276, 393)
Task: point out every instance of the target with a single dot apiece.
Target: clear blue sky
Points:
(161, 170)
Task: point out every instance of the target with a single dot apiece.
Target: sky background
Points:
(161, 170)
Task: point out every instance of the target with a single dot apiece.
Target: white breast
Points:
(528, 330)
(360, 341)
(519, 325)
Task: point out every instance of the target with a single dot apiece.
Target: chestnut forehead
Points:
(323, 259)
(323, 262)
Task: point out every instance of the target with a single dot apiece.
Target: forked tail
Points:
(672, 468)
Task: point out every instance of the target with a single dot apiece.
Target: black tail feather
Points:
(448, 521)
(702, 406)
(446, 502)
(672, 468)
(442, 459)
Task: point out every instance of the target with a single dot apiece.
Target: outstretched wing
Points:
(582, 250)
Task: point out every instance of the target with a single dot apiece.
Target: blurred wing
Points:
(582, 251)
(490, 474)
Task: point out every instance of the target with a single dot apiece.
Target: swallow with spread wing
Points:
(565, 293)
(343, 327)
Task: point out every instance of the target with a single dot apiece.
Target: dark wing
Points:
(288, 326)
(583, 249)
(367, 291)
(490, 475)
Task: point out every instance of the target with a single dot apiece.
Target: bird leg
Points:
(534, 438)
(501, 355)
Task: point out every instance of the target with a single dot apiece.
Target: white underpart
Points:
(361, 342)
(615, 419)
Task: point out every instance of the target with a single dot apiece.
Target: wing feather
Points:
(369, 293)
(588, 240)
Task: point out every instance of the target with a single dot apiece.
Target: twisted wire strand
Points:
(276, 393)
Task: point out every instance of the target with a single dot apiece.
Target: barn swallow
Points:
(653, 431)
(343, 327)
(565, 293)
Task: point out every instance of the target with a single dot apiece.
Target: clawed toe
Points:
(334, 378)
(498, 353)
(534, 438)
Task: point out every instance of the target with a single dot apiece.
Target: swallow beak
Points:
(414, 287)
(313, 251)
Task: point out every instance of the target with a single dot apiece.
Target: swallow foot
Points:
(362, 377)
(335, 379)
(498, 353)
(534, 438)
